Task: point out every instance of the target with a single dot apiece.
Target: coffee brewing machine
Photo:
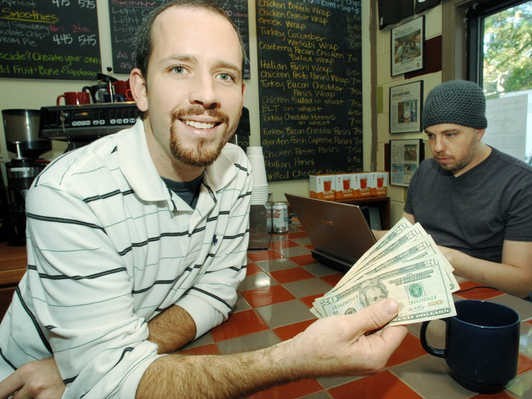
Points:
(79, 125)
(21, 128)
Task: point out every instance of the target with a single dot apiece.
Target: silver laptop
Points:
(338, 231)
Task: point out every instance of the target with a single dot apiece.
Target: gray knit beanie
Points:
(457, 101)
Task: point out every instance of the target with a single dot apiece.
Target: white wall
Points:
(433, 28)
(33, 93)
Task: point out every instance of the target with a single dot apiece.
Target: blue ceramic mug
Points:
(481, 345)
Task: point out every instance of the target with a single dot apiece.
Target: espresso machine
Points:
(21, 129)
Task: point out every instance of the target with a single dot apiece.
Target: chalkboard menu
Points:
(126, 16)
(310, 87)
(53, 39)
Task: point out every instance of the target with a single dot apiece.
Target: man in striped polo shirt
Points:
(137, 243)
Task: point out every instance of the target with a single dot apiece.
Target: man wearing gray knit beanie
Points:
(474, 200)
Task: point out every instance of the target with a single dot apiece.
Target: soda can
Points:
(280, 217)
(268, 207)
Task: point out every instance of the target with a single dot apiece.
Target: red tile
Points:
(252, 268)
(303, 260)
(290, 275)
(239, 324)
(277, 245)
(210, 349)
(291, 390)
(262, 255)
(309, 299)
(281, 247)
(287, 332)
(409, 349)
(267, 295)
(297, 234)
(470, 292)
(524, 363)
(332, 279)
(383, 385)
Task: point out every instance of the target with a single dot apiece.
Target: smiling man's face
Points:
(193, 91)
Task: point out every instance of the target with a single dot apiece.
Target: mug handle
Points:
(88, 90)
(430, 349)
(129, 95)
(89, 97)
(58, 100)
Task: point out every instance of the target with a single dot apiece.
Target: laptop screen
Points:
(335, 228)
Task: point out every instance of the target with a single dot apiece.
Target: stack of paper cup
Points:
(259, 193)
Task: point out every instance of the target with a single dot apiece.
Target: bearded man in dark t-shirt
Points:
(474, 200)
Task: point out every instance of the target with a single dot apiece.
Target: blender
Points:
(21, 128)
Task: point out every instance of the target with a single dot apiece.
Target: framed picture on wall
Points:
(422, 5)
(407, 46)
(405, 107)
(405, 156)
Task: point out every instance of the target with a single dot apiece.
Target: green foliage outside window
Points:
(508, 50)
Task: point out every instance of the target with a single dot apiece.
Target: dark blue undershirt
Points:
(188, 191)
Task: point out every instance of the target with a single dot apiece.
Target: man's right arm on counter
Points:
(172, 329)
(338, 345)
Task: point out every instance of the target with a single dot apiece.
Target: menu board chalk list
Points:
(127, 15)
(310, 86)
(53, 39)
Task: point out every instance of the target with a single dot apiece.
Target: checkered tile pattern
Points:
(274, 304)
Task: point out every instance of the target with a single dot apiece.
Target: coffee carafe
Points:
(21, 128)
(104, 90)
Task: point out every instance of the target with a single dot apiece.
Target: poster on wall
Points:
(405, 156)
(406, 107)
(407, 46)
(422, 5)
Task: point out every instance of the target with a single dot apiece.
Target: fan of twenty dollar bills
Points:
(406, 265)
